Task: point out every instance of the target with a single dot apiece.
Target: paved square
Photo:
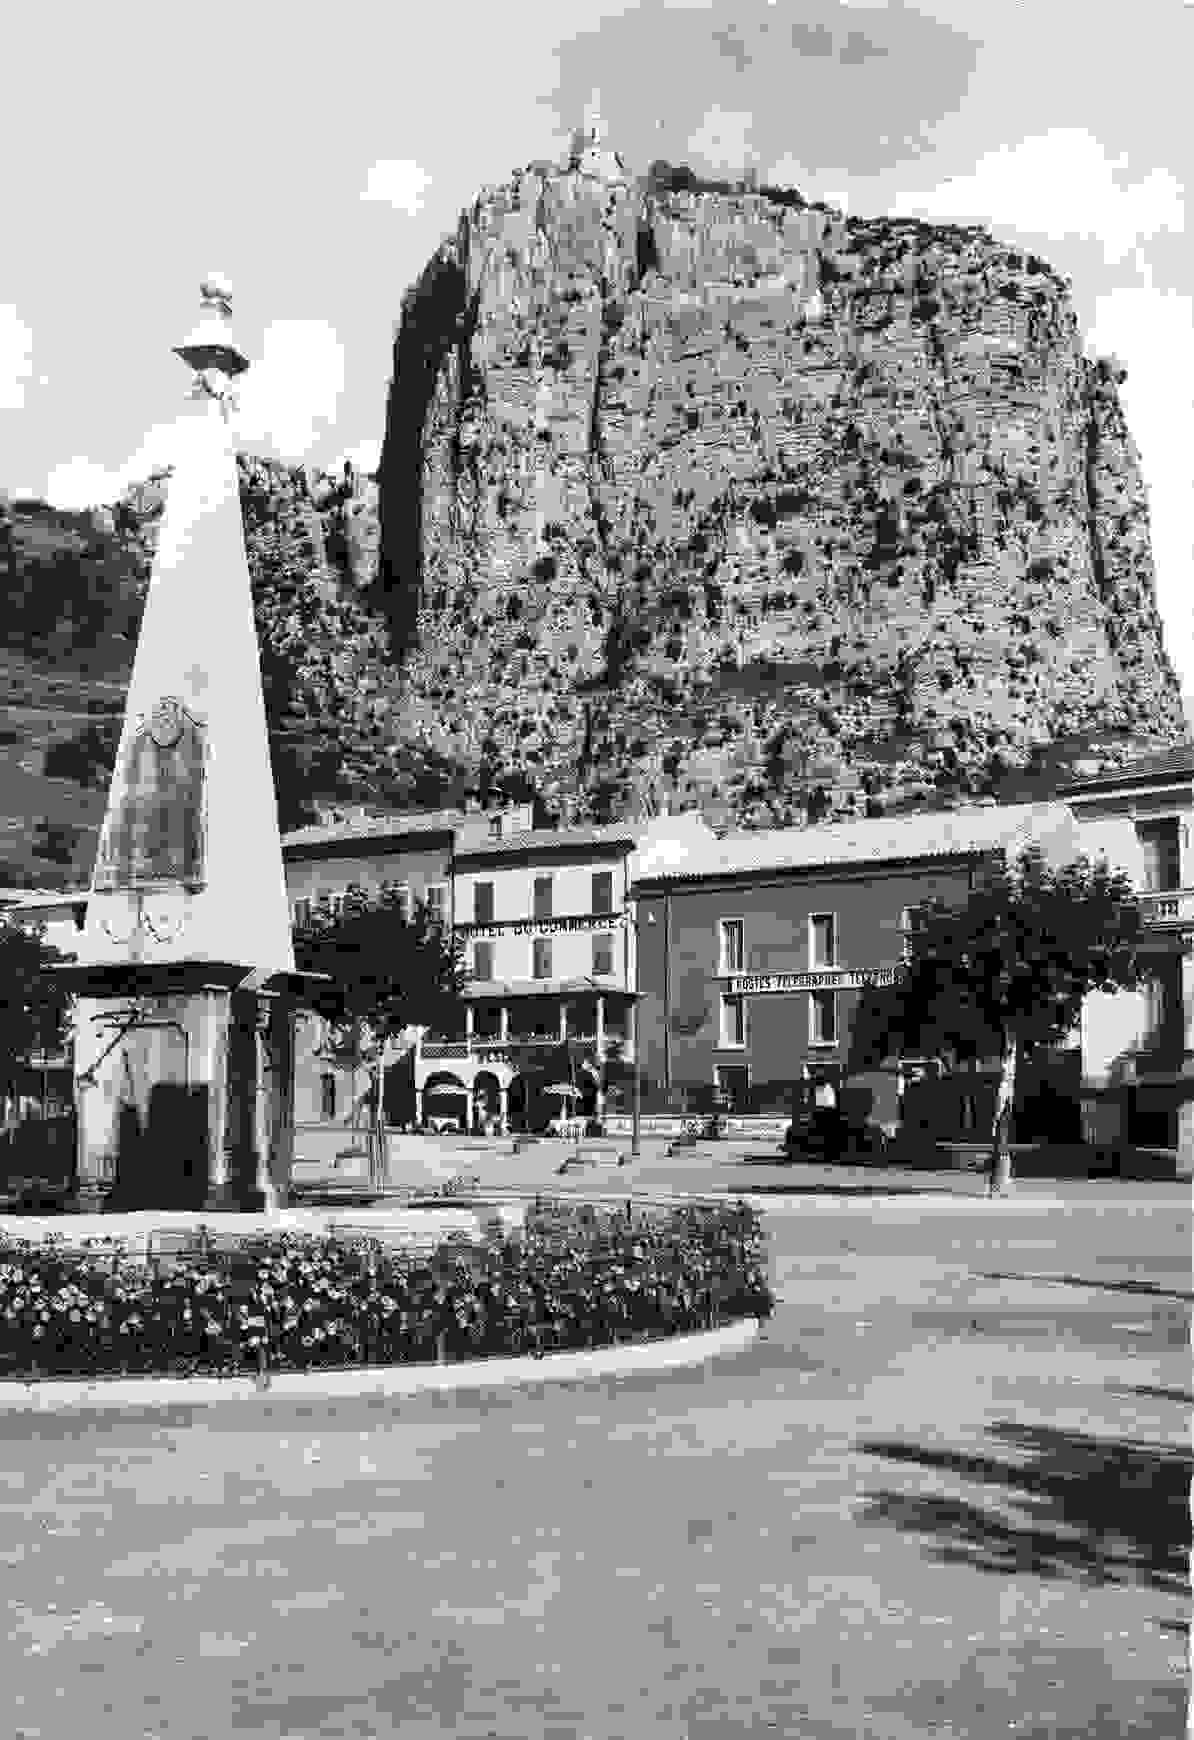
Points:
(938, 1498)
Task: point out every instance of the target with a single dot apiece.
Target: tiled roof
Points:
(374, 828)
(537, 839)
(1171, 763)
(948, 833)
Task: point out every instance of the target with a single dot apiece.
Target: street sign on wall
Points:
(829, 979)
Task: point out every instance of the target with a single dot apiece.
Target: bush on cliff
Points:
(576, 1278)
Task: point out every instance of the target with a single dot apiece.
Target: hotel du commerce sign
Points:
(545, 926)
(830, 979)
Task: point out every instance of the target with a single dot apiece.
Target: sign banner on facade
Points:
(832, 979)
(544, 926)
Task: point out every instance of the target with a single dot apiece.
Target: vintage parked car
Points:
(824, 1133)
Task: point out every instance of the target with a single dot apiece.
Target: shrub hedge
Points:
(573, 1277)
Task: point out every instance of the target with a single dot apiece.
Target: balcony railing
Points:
(1172, 906)
(459, 1050)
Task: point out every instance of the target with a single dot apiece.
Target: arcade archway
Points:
(445, 1099)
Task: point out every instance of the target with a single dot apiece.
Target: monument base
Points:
(88, 1199)
(232, 1198)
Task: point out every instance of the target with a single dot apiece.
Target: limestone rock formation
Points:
(703, 496)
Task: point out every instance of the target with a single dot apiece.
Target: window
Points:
(483, 960)
(327, 1095)
(302, 914)
(731, 945)
(542, 906)
(437, 902)
(541, 958)
(495, 828)
(733, 1081)
(822, 940)
(603, 891)
(822, 1017)
(911, 921)
(396, 897)
(603, 956)
(1162, 855)
(733, 1021)
(336, 903)
(483, 903)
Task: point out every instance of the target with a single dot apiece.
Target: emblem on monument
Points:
(154, 836)
(166, 722)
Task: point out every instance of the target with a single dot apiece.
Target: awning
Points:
(503, 991)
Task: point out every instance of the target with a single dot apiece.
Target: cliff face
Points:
(707, 497)
(690, 496)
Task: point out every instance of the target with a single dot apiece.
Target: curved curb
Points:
(670, 1354)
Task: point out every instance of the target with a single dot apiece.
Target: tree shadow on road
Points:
(1150, 1289)
(1153, 1392)
(1102, 1510)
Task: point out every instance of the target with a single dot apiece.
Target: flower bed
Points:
(571, 1277)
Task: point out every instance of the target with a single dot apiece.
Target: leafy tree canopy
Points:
(1016, 959)
(388, 972)
(34, 1004)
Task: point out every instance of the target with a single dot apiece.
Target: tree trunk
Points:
(379, 1122)
(999, 1167)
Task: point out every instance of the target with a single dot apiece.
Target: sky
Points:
(316, 158)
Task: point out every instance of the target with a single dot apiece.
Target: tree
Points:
(34, 1004)
(389, 974)
(1005, 973)
(88, 757)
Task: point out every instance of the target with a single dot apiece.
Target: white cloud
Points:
(365, 456)
(1058, 184)
(397, 182)
(81, 483)
(288, 400)
(1152, 333)
(787, 172)
(722, 138)
(16, 358)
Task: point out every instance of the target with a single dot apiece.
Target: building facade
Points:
(1138, 1046)
(755, 952)
(550, 964)
(409, 856)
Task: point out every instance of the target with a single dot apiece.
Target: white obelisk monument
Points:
(184, 1056)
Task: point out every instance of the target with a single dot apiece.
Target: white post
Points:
(563, 1019)
(469, 1021)
(600, 1027)
(504, 1107)
(504, 1026)
(1185, 1111)
(264, 1112)
(216, 1025)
